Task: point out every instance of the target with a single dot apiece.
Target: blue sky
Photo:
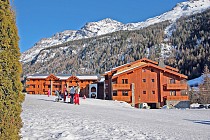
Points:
(38, 19)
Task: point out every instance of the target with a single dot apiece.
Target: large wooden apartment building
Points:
(40, 84)
(146, 81)
(142, 81)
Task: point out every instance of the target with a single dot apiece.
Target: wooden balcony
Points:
(121, 86)
(30, 89)
(122, 98)
(30, 83)
(176, 86)
(47, 83)
(178, 98)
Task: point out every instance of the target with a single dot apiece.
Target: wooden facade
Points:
(40, 84)
(154, 83)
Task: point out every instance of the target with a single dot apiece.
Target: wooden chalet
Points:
(40, 84)
(146, 81)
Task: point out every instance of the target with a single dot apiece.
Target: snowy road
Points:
(95, 119)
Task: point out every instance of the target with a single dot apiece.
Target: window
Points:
(114, 82)
(144, 92)
(172, 81)
(152, 70)
(38, 86)
(93, 89)
(153, 92)
(106, 86)
(125, 81)
(106, 77)
(114, 93)
(125, 93)
(48, 86)
(172, 93)
(153, 80)
(144, 80)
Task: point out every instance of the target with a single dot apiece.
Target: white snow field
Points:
(96, 119)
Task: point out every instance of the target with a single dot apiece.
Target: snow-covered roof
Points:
(38, 76)
(102, 79)
(142, 63)
(197, 81)
(64, 76)
(87, 77)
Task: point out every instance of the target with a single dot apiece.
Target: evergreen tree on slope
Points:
(10, 70)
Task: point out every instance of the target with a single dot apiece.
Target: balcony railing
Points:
(121, 86)
(29, 89)
(30, 83)
(179, 98)
(122, 98)
(176, 86)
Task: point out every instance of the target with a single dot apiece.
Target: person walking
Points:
(65, 94)
(72, 92)
(48, 92)
(77, 94)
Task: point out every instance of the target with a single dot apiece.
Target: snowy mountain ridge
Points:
(108, 25)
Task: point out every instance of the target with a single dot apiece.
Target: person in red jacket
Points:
(77, 95)
(48, 92)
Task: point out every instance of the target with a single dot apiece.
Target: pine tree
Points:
(10, 71)
(205, 86)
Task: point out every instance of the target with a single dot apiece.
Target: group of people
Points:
(69, 96)
(73, 95)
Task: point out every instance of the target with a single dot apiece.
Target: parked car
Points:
(144, 106)
(201, 106)
(168, 107)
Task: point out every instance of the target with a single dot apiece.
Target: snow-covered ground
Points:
(96, 119)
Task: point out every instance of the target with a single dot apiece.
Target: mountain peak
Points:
(108, 20)
(108, 25)
(101, 27)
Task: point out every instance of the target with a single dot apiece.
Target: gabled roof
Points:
(52, 77)
(73, 78)
(140, 64)
(149, 65)
(143, 60)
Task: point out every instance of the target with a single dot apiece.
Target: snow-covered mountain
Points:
(108, 25)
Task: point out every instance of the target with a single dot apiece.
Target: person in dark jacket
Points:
(72, 92)
(65, 94)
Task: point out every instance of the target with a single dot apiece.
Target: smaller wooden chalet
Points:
(40, 84)
(146, 81)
